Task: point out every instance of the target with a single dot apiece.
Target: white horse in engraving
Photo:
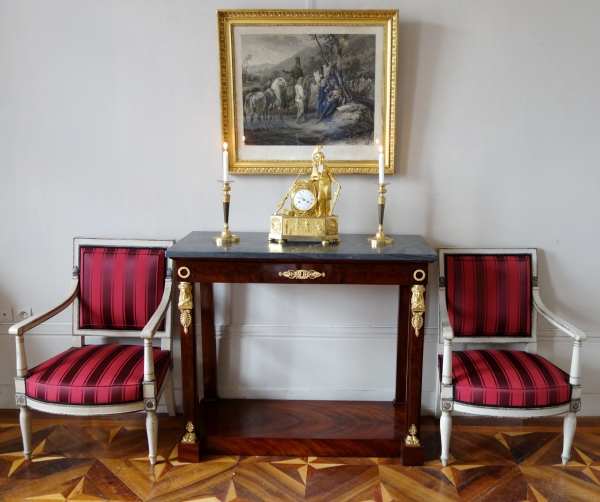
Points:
(277, 97)
(256, 105)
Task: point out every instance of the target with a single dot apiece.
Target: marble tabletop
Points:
(255, 245)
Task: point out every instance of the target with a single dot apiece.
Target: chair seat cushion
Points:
(507, 379)
(95, 374)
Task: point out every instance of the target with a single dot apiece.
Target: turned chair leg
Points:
(152, 431)
(170, 396)
(568, 433)
(25, 420)
(445, 430)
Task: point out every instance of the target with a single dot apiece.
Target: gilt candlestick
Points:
(380, 238)
(226, 236)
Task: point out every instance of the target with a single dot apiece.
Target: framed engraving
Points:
(295, 79)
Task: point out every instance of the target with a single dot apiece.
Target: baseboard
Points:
(590, 403)
(306, 394)
(376, 341)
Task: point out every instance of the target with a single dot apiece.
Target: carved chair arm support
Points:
(447, 363)
(150, 330)
(447, 335)
(445, 326)
(24, 326)
(152, 326)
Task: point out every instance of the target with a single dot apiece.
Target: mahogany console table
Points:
(301, 428)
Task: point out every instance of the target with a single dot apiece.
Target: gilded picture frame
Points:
(292, 79)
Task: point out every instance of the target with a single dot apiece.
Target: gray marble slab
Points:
(255, 245)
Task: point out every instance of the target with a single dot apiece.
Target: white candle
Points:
(225, 163)
(381, 166)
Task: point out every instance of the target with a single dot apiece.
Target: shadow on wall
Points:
(416, 63)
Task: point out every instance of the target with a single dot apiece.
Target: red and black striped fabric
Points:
(507, 378)
(95, 374)
(489, 295)
(120, 288)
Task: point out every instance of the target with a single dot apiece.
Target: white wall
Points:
(110, 126)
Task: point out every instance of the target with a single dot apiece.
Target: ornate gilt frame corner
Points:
(227, 20)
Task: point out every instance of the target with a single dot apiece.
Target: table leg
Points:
(413, 452)
(403, 333)
(209, 342)
(188, 451)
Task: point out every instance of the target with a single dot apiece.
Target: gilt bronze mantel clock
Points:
(310, 217)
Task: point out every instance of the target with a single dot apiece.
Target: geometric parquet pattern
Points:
(105, 459)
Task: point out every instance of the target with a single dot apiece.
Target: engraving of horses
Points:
(278, 97)
(255, 104)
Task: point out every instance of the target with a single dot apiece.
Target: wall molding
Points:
(301, 331)
(234, 335)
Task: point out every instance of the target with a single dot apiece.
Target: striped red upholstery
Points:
(120, 288)
(489, 295)
(507, 378)
(95, 374)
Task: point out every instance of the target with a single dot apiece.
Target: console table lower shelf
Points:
(301, 428)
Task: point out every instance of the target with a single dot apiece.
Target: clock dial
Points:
(304, 200)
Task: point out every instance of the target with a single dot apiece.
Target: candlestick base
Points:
(380, 239)
(226, 237)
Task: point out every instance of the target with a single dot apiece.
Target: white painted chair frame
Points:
(151, 395)
(446, 337)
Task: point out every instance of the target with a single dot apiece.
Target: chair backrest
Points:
(121, 283)
(488, 293)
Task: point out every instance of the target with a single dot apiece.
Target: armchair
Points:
(120, 289)
(492, 296)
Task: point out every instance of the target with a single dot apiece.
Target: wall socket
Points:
(6, 315)
(24, 314)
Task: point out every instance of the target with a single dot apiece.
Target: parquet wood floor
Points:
(105, 459)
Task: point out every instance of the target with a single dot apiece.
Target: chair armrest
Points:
(148, 334)
(561, 324)
(24, 326)
(150, 329)
(445, 326)
(447, 336)
(577, 335)
(32, 322)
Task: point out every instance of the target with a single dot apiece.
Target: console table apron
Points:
(301, 428)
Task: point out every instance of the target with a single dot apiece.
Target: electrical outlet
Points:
(6, 314)
(24, 314)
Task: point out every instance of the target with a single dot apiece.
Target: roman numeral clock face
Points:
(303, 200)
